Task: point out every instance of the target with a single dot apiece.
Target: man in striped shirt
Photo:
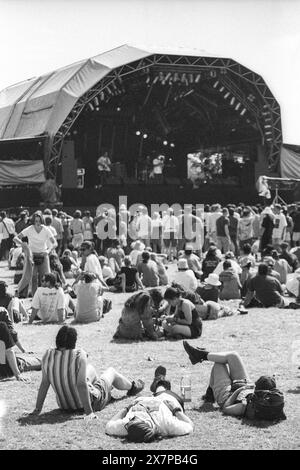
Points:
(75, 382)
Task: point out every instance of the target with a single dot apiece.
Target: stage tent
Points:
(39, 106)
(290, 161)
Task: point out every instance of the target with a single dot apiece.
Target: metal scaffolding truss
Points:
(224, 69)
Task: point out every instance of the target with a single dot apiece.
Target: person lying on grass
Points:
(11, 363)
(75, 382)
(155, 417)
(231, 387)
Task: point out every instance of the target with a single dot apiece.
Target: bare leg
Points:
(117, 380)
(174, 330)
(237, 370)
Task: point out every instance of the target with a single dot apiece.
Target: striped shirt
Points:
(61, 368)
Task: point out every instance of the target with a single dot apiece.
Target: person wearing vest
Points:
(75, 382)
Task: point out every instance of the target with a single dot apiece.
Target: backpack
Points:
(267, 405)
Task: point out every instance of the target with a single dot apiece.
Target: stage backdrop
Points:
(289, 163)
(16, 172)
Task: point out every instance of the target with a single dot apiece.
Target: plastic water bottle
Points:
(186, 389)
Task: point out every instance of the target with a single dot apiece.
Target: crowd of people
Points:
(226, 260)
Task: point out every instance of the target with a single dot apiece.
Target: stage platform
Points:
(137, 193)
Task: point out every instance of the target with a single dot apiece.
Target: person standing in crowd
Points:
(158, 167)
(280, 225)
(22, 222)
(66, 235)
(191, 230)
(170, 226)
(156, 233)
(57, 224)
(222, 231)
(76, 229)
(7, 232)
(206, 216)
(144, 226)
(104, 168)
(91, 262)
(75, 381)
(233, 231)
(48, 223)
(295, 214)
(88, 227)
(245, 227)
(289, 228)
(267, 225)
(214, 215)
(39, 240)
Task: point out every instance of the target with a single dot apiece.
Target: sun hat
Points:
(245, 261)
(182, 264)
(138, 245)
(188, 247)
(213, 280)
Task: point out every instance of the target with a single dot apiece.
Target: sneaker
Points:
(137, 387)
(160, 379)
(195, 354)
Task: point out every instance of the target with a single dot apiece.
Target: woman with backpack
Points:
(185, 321)
(232, 389)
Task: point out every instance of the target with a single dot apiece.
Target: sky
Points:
(38, 36)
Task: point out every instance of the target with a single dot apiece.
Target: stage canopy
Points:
(49, 105)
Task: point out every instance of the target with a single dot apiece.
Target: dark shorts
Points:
(99, 394)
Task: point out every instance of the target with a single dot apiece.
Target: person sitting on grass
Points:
(137, 320)
(210, 289)
(75, 382)
(130, 279)
(4, 317)
(185, 321)
(230, 282)
(231, 387)
(161, 270)
(69, 264)
(108, 273)
(12, 304)
(89, 306)
(185, 276)
(11, 364)
(151, 418)
(49, 301)
(193, 260)
(264, 290)
(148, 269)
(289, 257)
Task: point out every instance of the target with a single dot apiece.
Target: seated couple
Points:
(13, 364)
(231, 387)
(142, 317)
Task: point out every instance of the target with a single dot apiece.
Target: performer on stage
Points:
(158, 166)
(104, 167)
(263, 189)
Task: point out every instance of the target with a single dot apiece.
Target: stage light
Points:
(148, 79)
(96, 101)
(138, 132)
(237, 106)
(226, 95)
(213, 73)
(176, 77)
(165, 142)
(197, 79)
(145, 136)
(155, 79)
(172, 145)
(166, 78)
(91, 107)
(191, 78)
(232, 101)
(266, 126)
(243, 112)
(75, 132)
(222, 89)
(216, 84)
(118, 108)
(97, 109)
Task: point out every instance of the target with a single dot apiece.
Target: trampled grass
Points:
(266, 339)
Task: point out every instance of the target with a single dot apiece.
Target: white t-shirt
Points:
(168, 425)
(48, 300)
(186, 279)
(92, 265)
(38, 242)
(279, 224)
(144, 223)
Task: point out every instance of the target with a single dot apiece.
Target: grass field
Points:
(264, 338)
